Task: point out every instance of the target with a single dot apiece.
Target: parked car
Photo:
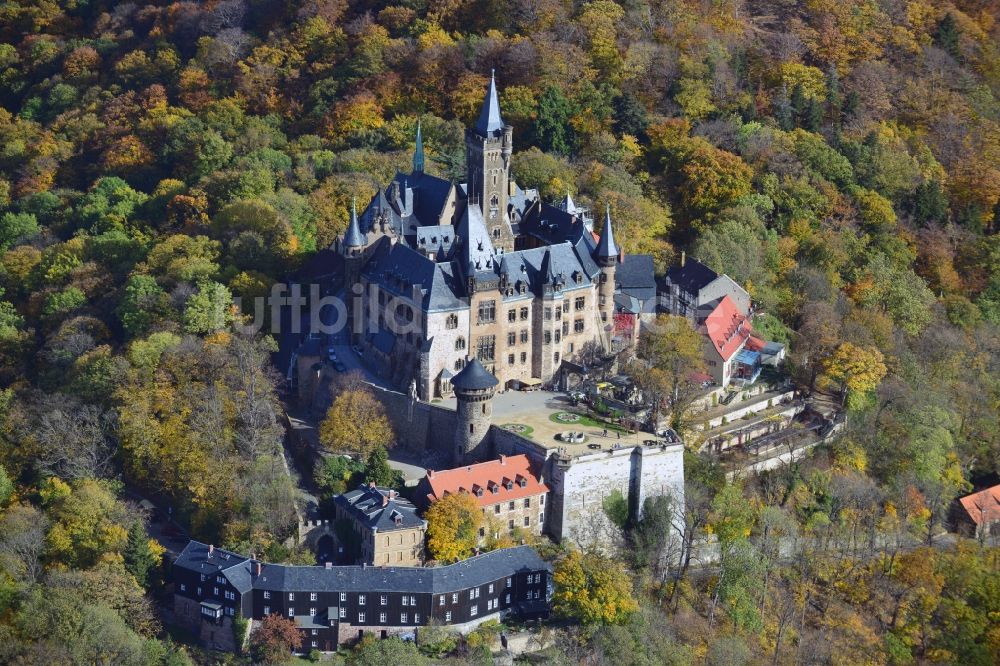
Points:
(357, 350)
(331, 354)
(339, 366)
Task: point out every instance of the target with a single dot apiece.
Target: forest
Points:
(162, 162)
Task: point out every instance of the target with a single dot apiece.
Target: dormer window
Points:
(508, 485)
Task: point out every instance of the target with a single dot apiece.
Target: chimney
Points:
(683, 258)
(211, 550)
(329, 565)
(371, 484)
(503, 459)
(385, 500)
(260, 567)
(430, 474)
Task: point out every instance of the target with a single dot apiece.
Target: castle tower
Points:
(606, 256)
(488, 146)
(474, 387)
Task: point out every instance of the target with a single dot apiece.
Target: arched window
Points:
(459, 344)
(459, 364)
(494, 201)
(451, 321)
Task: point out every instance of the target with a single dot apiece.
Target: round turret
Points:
(474, 387)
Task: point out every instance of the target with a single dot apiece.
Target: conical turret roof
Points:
(489, 116)
(606, 248)
(474, 377)
(354, 236)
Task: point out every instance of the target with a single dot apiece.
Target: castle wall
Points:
(419, 426)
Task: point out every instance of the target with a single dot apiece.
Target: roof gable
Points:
(727, 328)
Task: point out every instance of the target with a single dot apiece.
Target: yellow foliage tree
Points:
(593, 590)
(356, 422)
(453, 524)
(858, 370)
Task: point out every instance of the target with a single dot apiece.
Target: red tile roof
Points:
(983, 506)
(727, 328)
(487, 476)
(755, 344)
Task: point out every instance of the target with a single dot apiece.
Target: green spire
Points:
(418, 153)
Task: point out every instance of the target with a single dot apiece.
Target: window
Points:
(512, 315)
(537, 594)
(267, 594)
(547, 314)
(524, 314)
(527, 521)
(312, 612)
(184, 589)
(441, 601)
(416, 618)
(451, 321)
(361, 599)
(579, 303)
(291, 612)
(447, 616)
(454, 598)
(510, 524)
(220, 579)
(487, 311)
(570, 350)
(381, 618)
(343, 597)
(547, 337)
(510, 359)
(312, 596)
(291, 596)
(474, 611)
(507, 599)
(267, 610)
(524, 335)
(491, 589)
(509, 582)
(361, 618)
(314, 643)
(541, 501)
(558, 312)
(556, 357)
(486, 347)
(403, 618)
(384, 600)
(215, 591)
(459, 344)
(472, 594)
(524, 357)
(527, 594)
(510, 505)
(459, 364)
(413, 601)
(512, 338)
(565, 328)
(343, 613)
(541, 517)
(496, 508)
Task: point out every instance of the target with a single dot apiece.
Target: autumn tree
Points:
(274, 640)
(356, 423)
(672, 352)
(593, 589)
(857, 370)
(453, 524)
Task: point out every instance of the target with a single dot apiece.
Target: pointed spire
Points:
(606, 248)
(489, 117)
(418, 153)
(354, 237)
(568, 204)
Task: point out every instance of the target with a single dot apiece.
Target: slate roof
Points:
(380, 509)
(477, 251)
(692, 277)
(606, 247)
(474, 377)
(634, 276)
(195, 557)
(489, 116)
(563, 259)
(397, 268)
(354, 237)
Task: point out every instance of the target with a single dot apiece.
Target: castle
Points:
(480, 269)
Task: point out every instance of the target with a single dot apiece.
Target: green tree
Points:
(593, 589)
(553, 131)
(377, 469)
(209, 310)
(370, 651)
(671, 351)
(110, 204)
(139, 558)
(948, 34)
(14, 226)
(142, 305)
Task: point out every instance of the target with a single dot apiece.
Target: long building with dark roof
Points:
(484, 269)
(333, 605)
